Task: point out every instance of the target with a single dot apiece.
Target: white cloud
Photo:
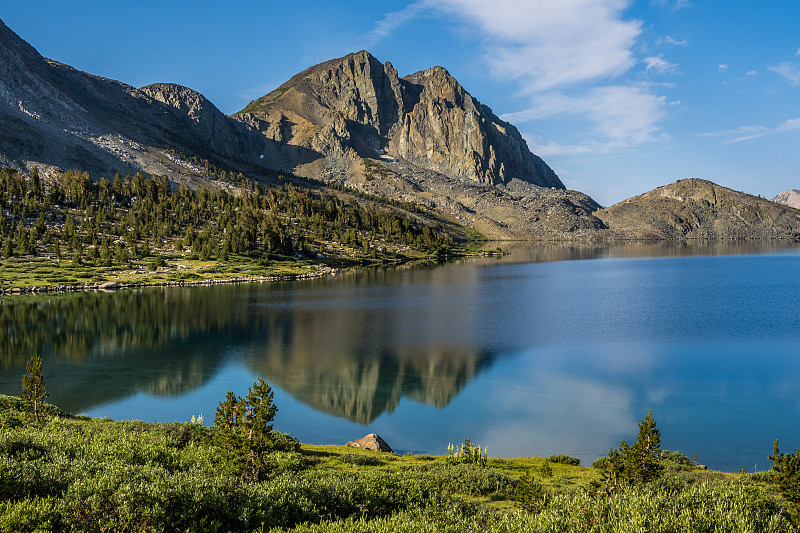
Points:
(789, 70)
(751, 73)
(723, 67)
(659, 65)
(552, 44)
(391, 21)
(675, 5)
(553, 47)
(796, 54)
(746, 133)
(623, 116)
(674, 42)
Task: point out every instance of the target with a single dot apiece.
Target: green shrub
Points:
(564, 460)
(361, 459)
(676, 461)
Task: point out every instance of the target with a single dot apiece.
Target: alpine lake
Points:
(549, 349)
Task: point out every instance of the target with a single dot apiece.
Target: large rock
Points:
(371, 442)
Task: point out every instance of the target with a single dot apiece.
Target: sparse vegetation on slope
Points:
(137, 229)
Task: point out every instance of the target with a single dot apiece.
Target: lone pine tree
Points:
(34, 390)
(637, 463)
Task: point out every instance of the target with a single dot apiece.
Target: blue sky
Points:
(618, 96)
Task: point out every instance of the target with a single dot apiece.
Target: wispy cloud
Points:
(579, 47)
(394, 20)
(747, 133)
(659, 65)
(673, 41)
(552, 44)
(674, 5)
(723, 67)
(789, 70)
(623, 116)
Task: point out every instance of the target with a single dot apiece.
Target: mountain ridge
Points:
(426, 118)
(350, 121)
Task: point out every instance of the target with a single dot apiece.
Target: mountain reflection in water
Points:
(551, 349)
(350, 362)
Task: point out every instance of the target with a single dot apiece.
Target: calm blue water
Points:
(529, 355)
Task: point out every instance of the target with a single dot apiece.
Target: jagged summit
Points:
(357, 106)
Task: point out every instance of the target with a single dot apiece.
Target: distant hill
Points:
(699, 209)
(790, 198)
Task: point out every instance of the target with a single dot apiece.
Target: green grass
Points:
(79, 474)
(26, 273)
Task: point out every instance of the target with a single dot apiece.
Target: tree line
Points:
(111, 222)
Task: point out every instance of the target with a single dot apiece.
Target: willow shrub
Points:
(706, 507)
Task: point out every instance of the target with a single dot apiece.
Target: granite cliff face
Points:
(355, 106)
(420, 139)
(699, 209)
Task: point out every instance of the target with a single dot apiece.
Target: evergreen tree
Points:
(643, 459)
(639, 463)
(34, 390)
(244, 428)
(786, 472)
(8, 248)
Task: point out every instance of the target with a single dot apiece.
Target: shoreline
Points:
(111, 286)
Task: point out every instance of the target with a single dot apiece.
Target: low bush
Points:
(564, 460)
(361, 459)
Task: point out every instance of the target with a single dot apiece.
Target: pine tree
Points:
(639, 463)
(8, 248)
(643, 459)
(786, 472)
(34, 390)
(244, 428)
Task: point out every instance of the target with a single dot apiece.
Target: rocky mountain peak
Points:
(790, 198)
(357, 107)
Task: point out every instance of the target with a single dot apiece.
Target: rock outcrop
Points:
(355, 106)
(699, 209)
(421, 139)
(790, 198)
(372, 442)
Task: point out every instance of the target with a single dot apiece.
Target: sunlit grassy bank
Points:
(68, 473)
